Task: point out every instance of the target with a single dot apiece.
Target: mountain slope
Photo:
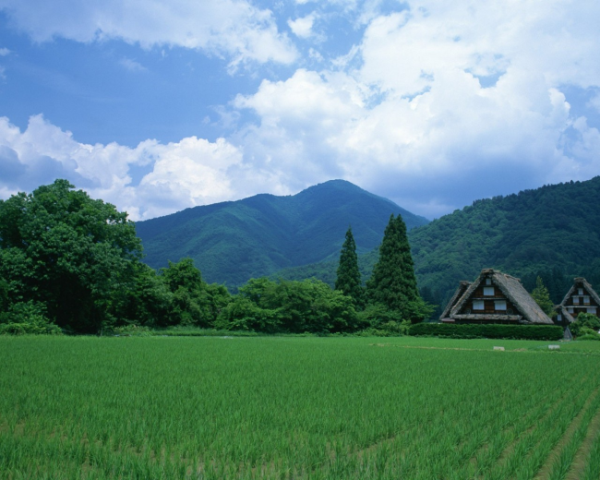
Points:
(233, 241)
(552, 227)
(553, 231)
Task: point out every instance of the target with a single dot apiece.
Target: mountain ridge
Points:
(234, 241)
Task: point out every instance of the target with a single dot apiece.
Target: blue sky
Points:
(156, 106)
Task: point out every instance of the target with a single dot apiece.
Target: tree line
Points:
(70, 263)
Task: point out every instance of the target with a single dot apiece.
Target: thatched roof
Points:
(564, 312)
(513, 290)
(462, 287)
(585, 284)
(577, 282)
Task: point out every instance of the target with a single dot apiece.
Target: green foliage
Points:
(348, 275)
(542, 298)
(393, 283)
(586, 323)
(289, 307)
(532, 332)
(177, 296)
(588, 334)
(60, 248)
(27, 318)
(232, 242)
(548, 232)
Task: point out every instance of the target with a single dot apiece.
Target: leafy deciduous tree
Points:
(68, 252)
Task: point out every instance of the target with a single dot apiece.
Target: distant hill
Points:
(552, 231)
(232, 242)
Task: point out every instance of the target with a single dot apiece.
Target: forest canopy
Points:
(70, 263)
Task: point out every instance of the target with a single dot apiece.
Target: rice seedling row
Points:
(287, 408)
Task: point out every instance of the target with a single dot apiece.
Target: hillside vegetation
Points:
(232, 242)
(552, 232)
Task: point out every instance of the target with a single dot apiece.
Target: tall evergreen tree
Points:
(542, 297)
(348, 274)
(393, 282)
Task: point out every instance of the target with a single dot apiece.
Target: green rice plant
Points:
(269, 407)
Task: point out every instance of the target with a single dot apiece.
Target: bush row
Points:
(525, 332)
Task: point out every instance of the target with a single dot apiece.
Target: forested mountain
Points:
(552, 231)
(232, 242)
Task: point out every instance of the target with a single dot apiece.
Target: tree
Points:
(291, 307)
(348, 275)
(194, 302)
(70, 253)
(542, 297)
(393, 283)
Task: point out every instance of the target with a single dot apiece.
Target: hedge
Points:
(529, 332)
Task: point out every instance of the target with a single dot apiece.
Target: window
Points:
(580, 291)
(478, 305)
(488, 291)
(575, 300)
(570, 309)
(586, 300)
(488, 281)
(500, 304)
(591, 310)
(559, 317)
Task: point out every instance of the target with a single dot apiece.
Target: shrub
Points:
(27, 318)
(585, 321)
(529, 332)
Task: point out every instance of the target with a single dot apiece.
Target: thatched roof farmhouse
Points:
(581, 298)
(494, 297)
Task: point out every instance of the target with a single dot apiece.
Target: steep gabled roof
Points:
(513, 290)
(462, 287)
(563, 311)
(586, 285)
(561, 307)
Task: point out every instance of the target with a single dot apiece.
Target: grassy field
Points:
(301, 408)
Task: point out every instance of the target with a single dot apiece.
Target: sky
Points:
(156, 106)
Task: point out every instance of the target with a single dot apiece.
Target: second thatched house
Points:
(494, 297)
(581, 298)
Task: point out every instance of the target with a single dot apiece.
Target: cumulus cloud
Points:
(302, 27)
(234, 28)
(450, 102)
(4, 52)
(183, 174)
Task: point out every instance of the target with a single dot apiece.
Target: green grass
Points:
(271, 407)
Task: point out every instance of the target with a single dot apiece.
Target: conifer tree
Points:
(542, 297)
(393, 282)
(348, 275)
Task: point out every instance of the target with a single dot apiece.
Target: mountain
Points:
(552, 231)
(232, 242)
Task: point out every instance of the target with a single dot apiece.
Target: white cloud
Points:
(302, 27)
(413, 121)
(229, 27)
(132, 65)
(4, 52)
(187, 173)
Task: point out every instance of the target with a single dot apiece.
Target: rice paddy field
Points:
(297, 408)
